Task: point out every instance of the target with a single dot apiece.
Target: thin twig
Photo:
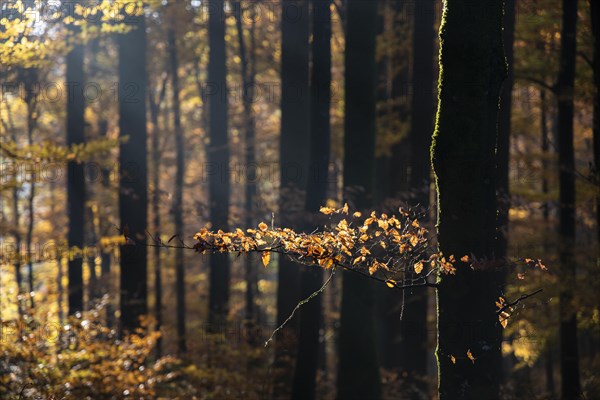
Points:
(300, 304)
(517, 301)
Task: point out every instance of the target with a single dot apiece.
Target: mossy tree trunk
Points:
(472, 69)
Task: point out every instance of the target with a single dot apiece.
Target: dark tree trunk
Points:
(549, 369)
(31, 78)
(503, 144)
(545, 146)
(504, 129)
(399, 163)
(463, 153)
(569, 357)
(75, 175)
(595, 12)
(248, 72)
(18, 242)
(358, 376)
(414, 323)
(106, 257)
(133, 184)
(218, 158)
(311, 279)
(294, 158)
(156, 163)
(178, 197)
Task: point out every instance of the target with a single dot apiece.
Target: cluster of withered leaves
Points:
(383, 247)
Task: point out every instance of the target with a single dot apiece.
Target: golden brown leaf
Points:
(470, 356)
(419, 267)
(266, 257)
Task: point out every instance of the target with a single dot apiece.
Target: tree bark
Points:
(248, 74)
(414, 322)
(294, 151)
(218, 159)
(595, 13)
(75, 175)
(311, 279)
(178, 197)
(133, 184)
(358, 376)
(504, 129)
(569, 357)
(156, 163)
(472, 68)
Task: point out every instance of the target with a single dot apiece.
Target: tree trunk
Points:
(178, 197)
(105, 226)
(504, 129)
(18, 242)
(358, 376)
(218, 159)
(133, 184)
(294, 152)
(311, 279)
(248, 74)
(569, 358)
(414, 322)
(31, 79)
(595, 13)
(156, 163)
(545, 145)
(503, 144)
(75, 175)
(463, 153)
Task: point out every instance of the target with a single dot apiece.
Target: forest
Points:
(300, 199)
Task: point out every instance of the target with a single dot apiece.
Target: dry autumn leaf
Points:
(470, 356)
(266, 257)
(419, 267)
(326, 210)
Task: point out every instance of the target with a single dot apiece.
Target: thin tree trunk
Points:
(294, 150)
(31, 122)
(307, 357)
(414, 323)
(549, 370)
(91, 258)
(595, 13)
(463, 153)
(248, 74)
(133, 183)
(569, 357)
(358, 376)
(178, 198)
(156, 163)
(18, 242)
(545, 152)
(218, 159)
(503, 143)
(75, 176)
(504, 129)
(105, 256)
